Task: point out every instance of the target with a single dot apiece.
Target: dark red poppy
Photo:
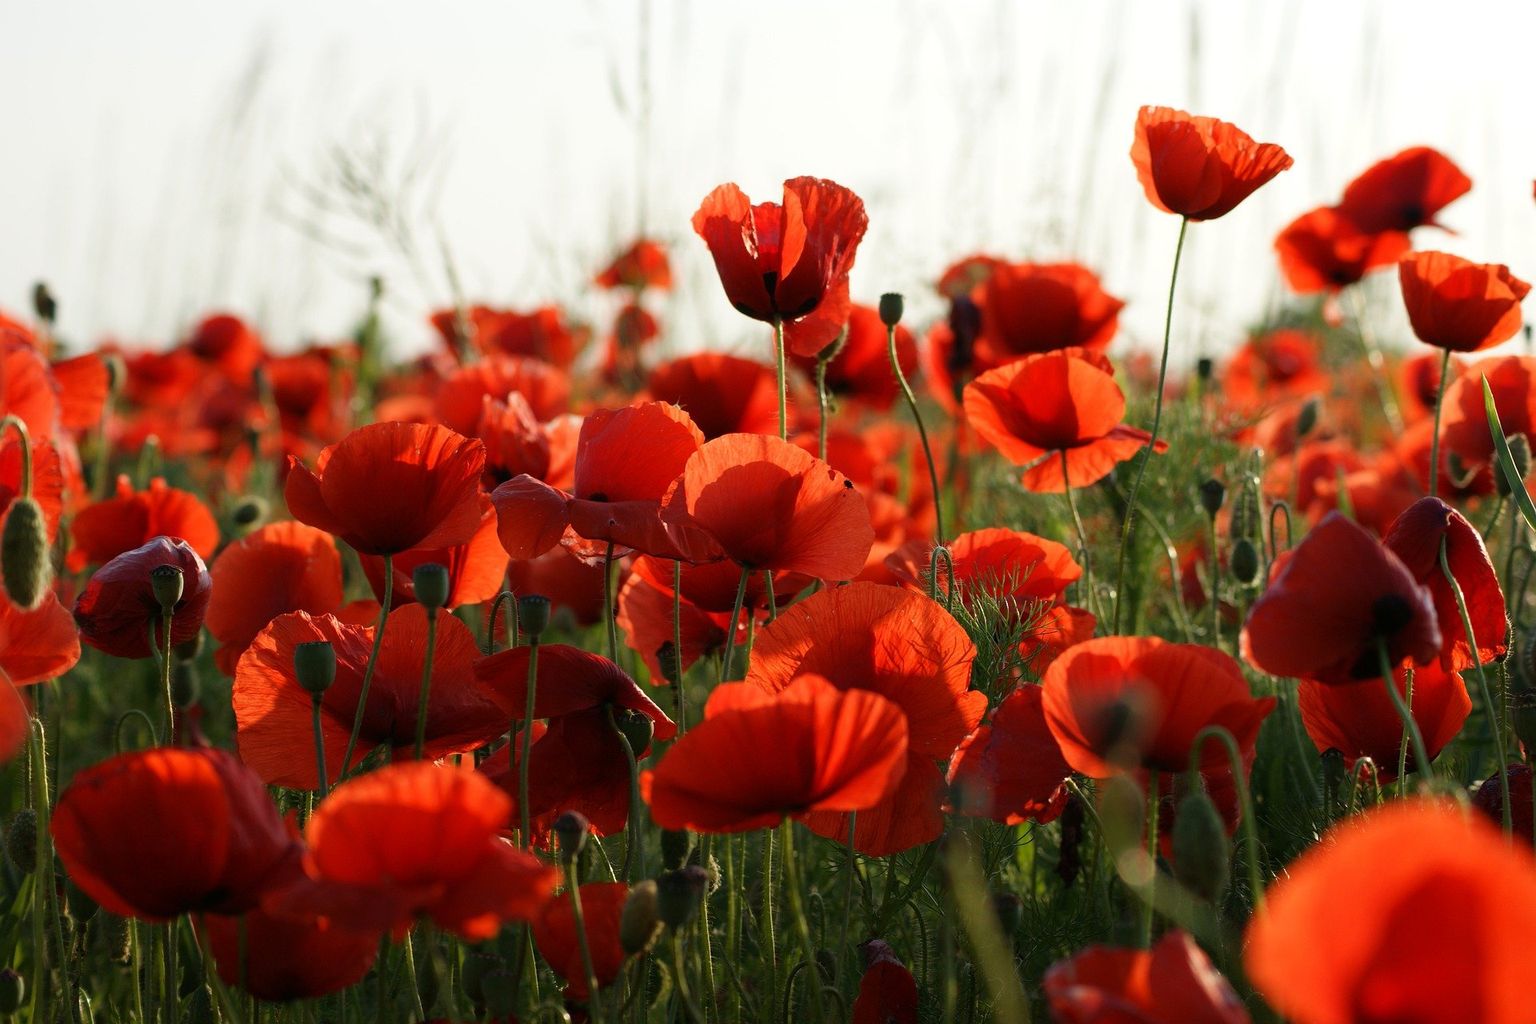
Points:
(1011, 769)
(515, 441)
(278, 568)
(118, 607)
(723, 394)
(1464, 427)
(390, 487)
(1489, 798)
(227, 343)
(1199, 167)
(1360, 720)
(758, 757)
(1459, 305)
(309, 391)
(1338, 596)
(83, 384)
(780, 262)
(283, 958)
(476, 568)
(643, 265)
(106, 529)
(1323, 251)
(554, 933)
(1172, 983)
(39, 644)
(1036, 408)
(887, 990)
(1027, 308)
(1404, 191)
(154, 834)
(570, 681)
(572, 585)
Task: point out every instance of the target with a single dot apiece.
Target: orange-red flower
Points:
(1019, 570)
(476, 567)
(1429, 914)
(768, 504)
(780, 263)
(1360, 720)
(154, 834)
(1027, 308)
(390, 487)
(758, 757)
(1037, 408)
(1011, 769)
(282, 958)
(1141, 701)
(118, 606)
(1172, 983)
(643, 265)
(1273, 367)
(1338, 596)
(1199, 167)
(281, 567)
(1323, 251)
(554, 933)
(541, 333)
(1404, 191)
(39, 644)
(461, 396)
(1459, 305)
(722, 394)
(228, 343)
(109, 527)
(47, 479)
(1465, 427)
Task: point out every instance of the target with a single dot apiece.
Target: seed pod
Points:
(166, 583)
(1244, 561)
(25, 568)
(892, 305)
(250, 512)
(636, 728)
(21, 841)
(314, 665)
(432, 585)
(43, 303)
(678, 894)
(1213, 495)
(570, 831)
(533, 614)
(1202, 854)
(1205, 369)
(640, 920)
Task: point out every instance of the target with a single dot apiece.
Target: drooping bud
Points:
(1202, 854)
(671, 666)
(1520, 455)
(533, 614)
(1213, 495)
(25, 567)
(640, 920)
(892, 305)
(166, 582)
(314, 665)
(676, 845)
(570, 830)
(432, 585)
(636, 728)
(21, 841)
(1306, 420)
(679, 893)
(1244, 561)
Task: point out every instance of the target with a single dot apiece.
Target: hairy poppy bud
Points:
(1202, 855)
(185, 684)
(25, 567)
(250, 512)
(431, 584)
(533, 614)
(314, 665)
(13, 992)
(640, 920)
(21, 841)
(892, 305)
(1205, 369)
(669, 663)
(1306, 420)
(111, 932)
(676, 845)
(1244, 561)
(43, 303)
(1520, 454)
(636, 728)
(1213, 495)
(678, 894)
(570, 831)
(166, 582)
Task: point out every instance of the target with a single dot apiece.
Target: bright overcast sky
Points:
(166, 158)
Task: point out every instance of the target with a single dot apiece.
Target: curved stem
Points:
(821, 406)
(797, 909)
(730, 627)
(1495, 719)
(24, 440)
(1405, 713)
(1082, 534)
(677, 647)
(373, 660)
(525, 833)
(510, 599)
(779, 370)
(426, 684)
(922, 433)
(1129, 527)
(1244, 798)
(633, 852)
(942, 553)
(1434, 439)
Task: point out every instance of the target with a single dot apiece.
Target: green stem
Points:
(323, 787)
(1434, 439)
(677, 647)
(852, 869)
(634, 852)
(38, 763)
(1215, 586)
(792, 883)
(1082, 534)
(767, 948)
(373, 660)
(730, 627)
(426, 685)
(525, 835)
(165, 680)
(821, 405)
(594, 1004)
(773, 604)
(1405, 713)
(1244, 799)
(1482, 681)
(783, 380)
(1150, 897)
(609, 622)
(922, 432)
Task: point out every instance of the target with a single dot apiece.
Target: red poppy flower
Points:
(722, 394)
(1171, 983)
(15, 722)
(1273, 367)
(1415, 538)
(643, 265)
(541, 333)
(274, 713)
(758, 757)
(1034, 409)
(1359, 720)
(780, 262)
(861, 370)
(1464, 430)
(887, 991)
(554, 933)
(1011, 769)
(1323, 251)
(571, 584)
(908, 649)
(461, 397)
(1404, 191)
(83, 384)
(1019, 570)
(106, 529)
(307, 391)
(1429, 914)
(1337, 596)
(47, 479)
(1459, 305)
(476, 568)
(283, 958)
(770, 505)
(1171, 691)
(154, 834)
(390, 487)
(515, 441)
(413, 840)
(1199, 167)
(118, 606)
(645, 615)
(37, 645)
(228, 343)
(26, 390)
(1027, 308)
(625, 462)
(281, 567)
(570, 681)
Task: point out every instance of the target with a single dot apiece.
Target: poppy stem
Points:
(779, 369)
(922, 432)
(766, 946)
(1434, 438)
(1386, 391)
(1148, 913)
(594, 1006)
(165, 680)
(426, 684)
(508, 598)
(677, 647)
(773, 604)
(323, 787)
(373, 660)
(796, 907)
(608, 619)
(1082, 534)
(822, 360)
(634, 852)
(1128, 528)
(732, 920)
(170, 976)
(1244, 801)
(852, 870)
(1411, 732)
(525, 831)
(1215, 584)
(730, 627)
(1495, 719)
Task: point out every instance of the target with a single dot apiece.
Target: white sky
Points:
(158, 154)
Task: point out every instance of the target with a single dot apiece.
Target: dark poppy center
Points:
(1389, 614)
(770, 281)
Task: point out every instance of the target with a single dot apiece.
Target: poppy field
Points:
(946, 669)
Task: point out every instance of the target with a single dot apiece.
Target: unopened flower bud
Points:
(432, 586)
(1205, 369)
(1213, 495)
(43, 303)
(640, 920)
(25, 567)
(21, 841)
(570, 831)
(892, 305)
(671, 666)
(533, 614)
(13, 992)
(166, 582)
(1306, 420)
(250, 512)
(679, 893)
(1244, 561)
(636, 728)
(314, 665)
(1520, 455)
(676, 845)
(1202, 854)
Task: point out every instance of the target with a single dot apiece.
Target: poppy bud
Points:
(667, 660)
(25, 567)
(1244, 561)
(1010, 913)
(44, 304)
(13, 992)
(533, 614)
(1520, 455)
(250, 512)
(111, 933)
(892, 305)
(1213, 495)
(570, 831)
(21, 841)
(1202, 855)
(432, 586)
(1205, 369)
(640, 920)
(1335, 769)
(314, 665)
(635, 728)
(678, 894)
(166, 582)
(1306, 420)
(185, 684)
(676, 845)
